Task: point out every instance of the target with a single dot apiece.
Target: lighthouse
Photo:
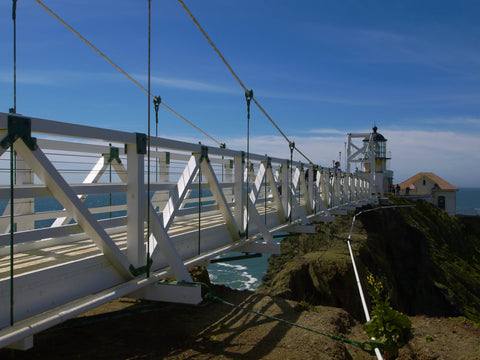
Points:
(372, 157)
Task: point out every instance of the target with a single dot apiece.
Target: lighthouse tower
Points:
(372, 157)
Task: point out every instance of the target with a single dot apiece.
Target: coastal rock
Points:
(429, 261)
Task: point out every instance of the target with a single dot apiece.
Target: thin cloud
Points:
(327, 131)
(347, 100)
(454, 121)
(30, 77)
(188, 84)
(451, 155)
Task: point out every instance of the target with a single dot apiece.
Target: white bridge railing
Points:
(85, 223)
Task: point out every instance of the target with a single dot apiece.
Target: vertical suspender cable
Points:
(290, 195)
(199, 204)
(110, 181)
(14, 18)
(12, 230)
(12, 180)
(156, 102)
(265, 185)
(248, 97)
(148, 138)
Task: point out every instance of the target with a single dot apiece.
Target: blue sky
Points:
(319, 68)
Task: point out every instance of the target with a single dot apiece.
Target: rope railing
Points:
(357, 277)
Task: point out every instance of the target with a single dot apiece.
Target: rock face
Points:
(430, 261)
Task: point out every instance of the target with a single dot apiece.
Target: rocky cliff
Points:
(429, 261)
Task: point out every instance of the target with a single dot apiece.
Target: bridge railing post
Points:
(310, 189)
(239, 191)
(164, 177)
(228, 167)
(285, 186)
(135, 206)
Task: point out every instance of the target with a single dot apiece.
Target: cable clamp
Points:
(248, 95)
(114, 154)
(204, 153)
(291, 145)
(19, 128)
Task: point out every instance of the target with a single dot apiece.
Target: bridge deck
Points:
(30, 260)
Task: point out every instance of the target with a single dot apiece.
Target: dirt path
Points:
(134, 330)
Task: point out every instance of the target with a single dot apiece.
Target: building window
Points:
(424, 182)
(441, 202)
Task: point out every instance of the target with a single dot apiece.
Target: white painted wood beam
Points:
(259, 222)
(166, 246)
(275, 194)
(220, 200)
(47, 173)
(136, 198)
(181, 190)
(257, 184)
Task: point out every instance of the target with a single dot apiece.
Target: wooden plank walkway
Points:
(82, 248)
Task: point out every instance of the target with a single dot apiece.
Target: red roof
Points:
(444, 185)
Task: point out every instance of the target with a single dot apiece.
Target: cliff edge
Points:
(430, 261)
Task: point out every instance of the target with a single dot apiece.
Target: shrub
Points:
(386, 324)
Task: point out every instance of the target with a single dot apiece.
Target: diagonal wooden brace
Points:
(276, 194)
(220, 199)
(165, 244)
(49, 175)
(180, 191)
(257, 219)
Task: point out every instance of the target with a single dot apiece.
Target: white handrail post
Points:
(24, 176)
(227, 192)
(135, 206)
(310, 191)
(285, 186)
(164, 176)
(239, 191)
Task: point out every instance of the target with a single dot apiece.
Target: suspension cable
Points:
(236, 76)
(122, 71)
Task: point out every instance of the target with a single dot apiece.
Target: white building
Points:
(433, 189)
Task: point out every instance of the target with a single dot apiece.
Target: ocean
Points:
(247, 274)
(468, 201)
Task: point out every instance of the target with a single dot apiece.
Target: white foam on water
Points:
(250, 280)
(236, 267)
(241, 277)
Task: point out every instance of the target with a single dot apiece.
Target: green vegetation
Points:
(304, 306)
(386, 324)
(431, 262)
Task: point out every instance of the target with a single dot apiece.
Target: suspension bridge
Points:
(77, 243)
(91, 214)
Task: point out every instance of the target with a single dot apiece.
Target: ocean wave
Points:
(236, 267)
(251, 281)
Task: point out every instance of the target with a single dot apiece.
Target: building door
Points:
(441, 202)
